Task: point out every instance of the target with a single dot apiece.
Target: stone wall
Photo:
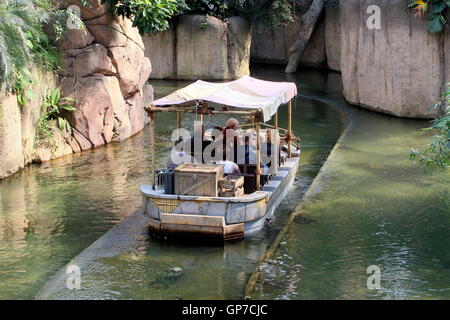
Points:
(271, 45)
(104, 68)
(400, 69)
(323, 51)
(333, 38)
(18, 143)
(195, 47)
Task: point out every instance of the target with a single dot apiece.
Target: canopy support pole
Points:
(178, 120)
(289, 133)
(258, 157)
(153, 142)
(276, 120)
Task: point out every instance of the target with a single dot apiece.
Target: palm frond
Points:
(20, 20)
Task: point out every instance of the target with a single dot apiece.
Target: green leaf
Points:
(56, 95)
(69, 99)
(68, 107)
(61, 123)
(435, 25)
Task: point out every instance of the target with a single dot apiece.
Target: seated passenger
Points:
(229, 167)
(231, 146)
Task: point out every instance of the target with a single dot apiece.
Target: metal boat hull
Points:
(223, 218)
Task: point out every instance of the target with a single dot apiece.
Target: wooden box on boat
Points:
(231, 182)
(232, 193)
(198, 179)
(231, 186)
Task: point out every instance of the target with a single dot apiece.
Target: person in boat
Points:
(229, 167)
(231, 126)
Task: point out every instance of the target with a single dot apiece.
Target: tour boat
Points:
(214, 215)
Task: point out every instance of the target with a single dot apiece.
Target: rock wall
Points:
(271, 45)
(333, 38)
(11, 157)
(195, 47)
(400, 69)
(104, 68)
(18, 143)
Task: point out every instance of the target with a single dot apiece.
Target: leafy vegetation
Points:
(438, 151)
(53, 108)
(433, 11)
(152, 16)
(20, 34)
(24, 44)
(149, 16)
(22, 88)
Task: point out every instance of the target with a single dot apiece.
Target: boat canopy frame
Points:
(200, 106)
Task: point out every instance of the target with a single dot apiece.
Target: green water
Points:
(49, 213)
(374, 207)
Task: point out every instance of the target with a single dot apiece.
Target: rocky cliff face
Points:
(105, 70)
(199, 48)
(18, 143)
(400, 69)
(272, 45)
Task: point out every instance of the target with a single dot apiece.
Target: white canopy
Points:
(244, 93)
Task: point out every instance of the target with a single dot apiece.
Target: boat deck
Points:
(223, 217)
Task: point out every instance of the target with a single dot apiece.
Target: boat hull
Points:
(223, 218)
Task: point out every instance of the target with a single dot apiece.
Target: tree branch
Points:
(307, 23)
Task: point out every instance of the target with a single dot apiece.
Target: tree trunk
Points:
(307, 23)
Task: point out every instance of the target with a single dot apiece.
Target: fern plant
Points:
(20, 22)
(438, 150)
(53, 108)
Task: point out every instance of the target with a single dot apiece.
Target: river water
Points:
(49, 213)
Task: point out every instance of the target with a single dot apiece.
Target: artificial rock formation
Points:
(195, 47)
(333, 38)
(18, 142)
(106, 71)
(400, 69)
(273, 45)
(11, 156)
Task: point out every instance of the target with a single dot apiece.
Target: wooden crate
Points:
(232, 193)
(198, 179)
(231, 186)
(231, 182)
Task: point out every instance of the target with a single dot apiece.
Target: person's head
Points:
(232, 123)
